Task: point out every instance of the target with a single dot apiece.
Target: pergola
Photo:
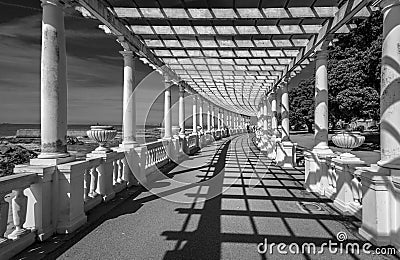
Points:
(235, 55)
(229, 52)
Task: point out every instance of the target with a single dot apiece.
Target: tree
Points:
(301, 100)
(353, 74)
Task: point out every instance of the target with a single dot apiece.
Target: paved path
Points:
(252, 201)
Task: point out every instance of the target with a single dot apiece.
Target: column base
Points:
(44, 155)
(284, 154)
(316, 170)
(129, 145)
(378, 206)
(51, 161)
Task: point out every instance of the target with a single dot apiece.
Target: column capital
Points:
(58, 3)
(124, 44)
(168, 81)
(181, 87)
(127, 53)
(285, 80)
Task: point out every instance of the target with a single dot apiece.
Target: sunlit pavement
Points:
(253, 200)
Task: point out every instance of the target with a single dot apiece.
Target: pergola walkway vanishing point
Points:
(237, 57)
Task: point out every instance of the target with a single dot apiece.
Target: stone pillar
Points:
(219, 119)
(209, 126)
(321, 103)
(390, 84)
(167, 108)
(129, 101)
(264, 115)
(274, 119)
(285, 112)
(194, 129)
(181, 109)
(213, 116)
(201, 112)
(381, 182)
(54, 89)
(222, 118)
(316, 172)
(285, 152)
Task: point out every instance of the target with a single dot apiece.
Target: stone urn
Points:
(348, 141)
(102, 134)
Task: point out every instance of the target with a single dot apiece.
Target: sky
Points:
(95, 71)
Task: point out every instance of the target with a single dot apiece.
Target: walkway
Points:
(253, 200)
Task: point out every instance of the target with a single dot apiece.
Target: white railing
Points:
(45, 200)
(12, 194)
(156, 154)
(192, 143)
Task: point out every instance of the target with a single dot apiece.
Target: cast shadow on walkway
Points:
(255, 200)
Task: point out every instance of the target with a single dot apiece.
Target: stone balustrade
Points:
(155, 154)
(192, 143)
(12, 194)
(45, 200)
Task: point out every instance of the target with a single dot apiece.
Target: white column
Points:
(213, 116)
(321, 102)
(208, 117)
(201, 112)
(129, 101)
(167, 109)
(194, 119)
(285, 112)
(274, 119)
(390, 84)
(222, 118)
(54, 89)
(181, 109)
(219, 118)
(264, 115)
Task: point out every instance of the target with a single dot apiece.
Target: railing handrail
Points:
(153, 144)
(17, 181)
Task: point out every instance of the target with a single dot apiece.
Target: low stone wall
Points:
(35, 133)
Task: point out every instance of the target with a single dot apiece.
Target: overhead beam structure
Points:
(231, 52)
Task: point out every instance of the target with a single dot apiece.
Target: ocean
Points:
(147, 134)
(8, 131)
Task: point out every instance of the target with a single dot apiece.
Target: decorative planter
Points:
(102, 135)
(348, 141)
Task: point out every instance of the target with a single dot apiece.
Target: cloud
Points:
(95, 73)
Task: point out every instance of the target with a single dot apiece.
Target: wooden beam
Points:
(99, 9)
(348, 10)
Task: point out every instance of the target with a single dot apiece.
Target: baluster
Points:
(93, 183)
(86, 184)
(19, 204)
(3, 216)
(115, 172)
(356, 189)
(120, 162)
(150, 157)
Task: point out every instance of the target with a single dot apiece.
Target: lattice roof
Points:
(229, 51)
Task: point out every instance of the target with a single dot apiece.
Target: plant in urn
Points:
(102, 135)
(348, 141)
